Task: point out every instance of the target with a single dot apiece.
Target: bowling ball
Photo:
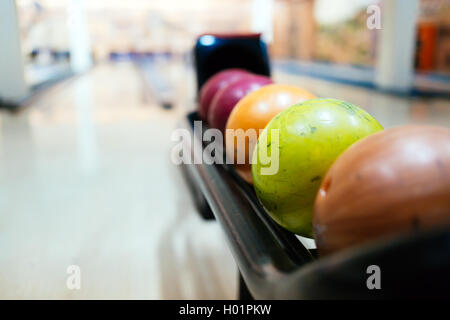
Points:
(226, 98)
(393, 182)
(214, 84)
(311, 135)
(254, 111)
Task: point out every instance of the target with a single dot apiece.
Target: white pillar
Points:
(12, 77)
(262, 18)
(80, 48)
(396, 46)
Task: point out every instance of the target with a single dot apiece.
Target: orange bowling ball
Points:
(254, 111)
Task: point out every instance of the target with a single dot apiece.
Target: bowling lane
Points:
(86, 180)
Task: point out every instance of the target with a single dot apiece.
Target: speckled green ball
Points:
(312, 134)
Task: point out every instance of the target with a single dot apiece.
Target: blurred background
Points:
(320, 31)
(90, 92)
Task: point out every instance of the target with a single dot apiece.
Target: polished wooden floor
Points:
(86, 180)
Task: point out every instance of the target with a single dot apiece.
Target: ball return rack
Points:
(274, 264)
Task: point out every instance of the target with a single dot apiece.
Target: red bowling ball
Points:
(213, 85)
(226, 98)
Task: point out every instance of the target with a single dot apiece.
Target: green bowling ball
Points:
(287, 171)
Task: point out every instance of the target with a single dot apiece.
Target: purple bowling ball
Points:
(213, 85)
(226, 98)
